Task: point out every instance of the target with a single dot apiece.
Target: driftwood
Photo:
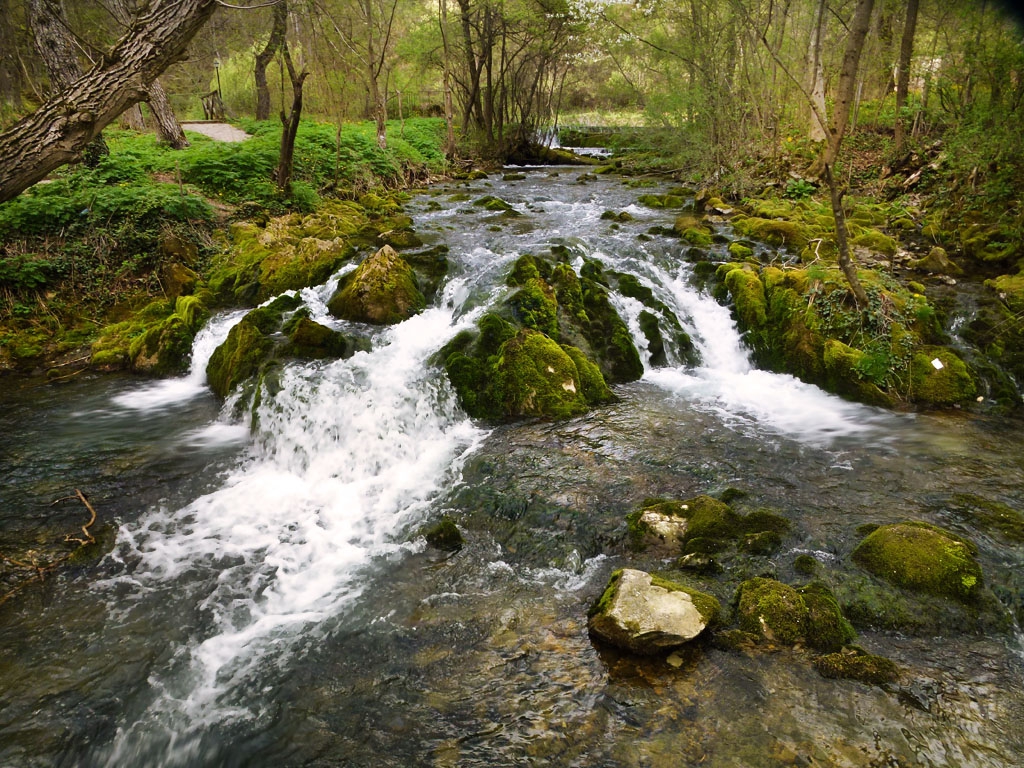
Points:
(35, 570)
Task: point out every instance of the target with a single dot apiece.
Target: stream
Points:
(269, 601)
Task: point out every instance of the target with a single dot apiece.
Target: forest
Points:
(913, 107)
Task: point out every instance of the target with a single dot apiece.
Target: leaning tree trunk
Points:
(63, 126)
(57, 49)
(264, 57)
(283, 172)
(167, 125)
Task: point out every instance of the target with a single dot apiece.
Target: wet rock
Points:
(646, 615)
(381, 291)
(444, 535)
(854, 664)
(779, 613)
(924, 558)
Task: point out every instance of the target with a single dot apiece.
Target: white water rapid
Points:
(346, 457)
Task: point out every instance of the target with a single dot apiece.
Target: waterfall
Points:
(347, 457)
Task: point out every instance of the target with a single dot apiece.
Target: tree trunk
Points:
(264, 57)
(903, 70)
(283, 172)
(816, 76)
(449, 112)
(57, 132)
(167, 125)
(844, 100)
(10, 71)
(58, 50)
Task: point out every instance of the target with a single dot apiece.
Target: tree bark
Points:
(844, 100)
(58, 50)
(848, 77)
(449, 112)
(264, 57)
(816, 75)
(903, 70)
(283, 172)
(167, 125)
(10, 71)
(61, 128)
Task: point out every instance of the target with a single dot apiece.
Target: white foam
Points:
(346, 457)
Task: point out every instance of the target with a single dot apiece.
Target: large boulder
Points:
(646, 615)
(381, 291)
(785, 615)
(923, 558)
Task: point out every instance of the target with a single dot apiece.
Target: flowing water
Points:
(268, 600)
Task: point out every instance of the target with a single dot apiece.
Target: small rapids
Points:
(269, 602)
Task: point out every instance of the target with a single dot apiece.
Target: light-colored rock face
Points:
(668, 528)
(645, 618)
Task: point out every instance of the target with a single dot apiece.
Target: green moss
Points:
(924, 558)
(876, 241)
(381, 291)
(238, 358)
(592, 383)
(604, 602)
(533, 376)
(774, 232)
(524, 270)
(772, 610)
(313, 341)
(739, 251)
(827, 628)
(990, 515)
(535, 306)
(949, 386)
(805, 564)
(1010, 289)
(444, 535)
(747, 292)
(860, 666)
(495, 204)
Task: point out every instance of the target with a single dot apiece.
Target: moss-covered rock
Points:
(381, 291)
(779, 613)
(924, 558)
(949, 384)
(854, 664)
(533, 376)
(444, 535)
(238, 358)
(312, 341)
(645, 614)
(772, 610)
(535, 306)
(936, 262)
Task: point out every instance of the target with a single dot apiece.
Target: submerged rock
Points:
(854, 664)
(924, 558)
(381, 291)
(644, 614)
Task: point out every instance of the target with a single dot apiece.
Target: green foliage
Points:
(799, 189)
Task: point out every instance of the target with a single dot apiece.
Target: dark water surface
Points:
(268, 602)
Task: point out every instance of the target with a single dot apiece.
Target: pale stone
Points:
(645, 618)
(668, 528)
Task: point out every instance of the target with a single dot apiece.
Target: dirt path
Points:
(218, 131)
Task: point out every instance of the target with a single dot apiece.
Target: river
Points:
(269, 602)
